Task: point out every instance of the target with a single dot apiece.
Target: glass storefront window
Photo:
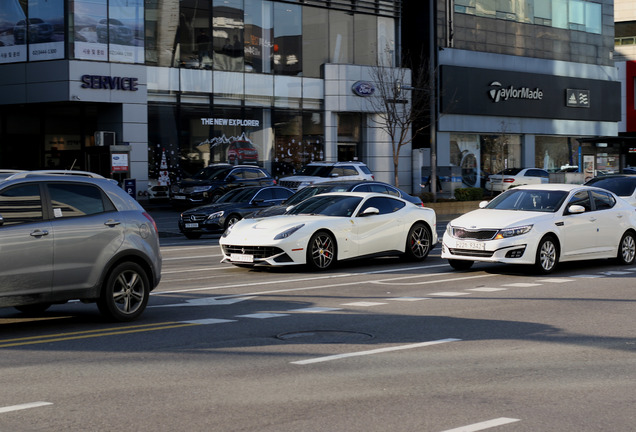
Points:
(298, 141)
(287, 50)
(365, 39)
(553, 153)
(259, 36)
(340, 37)
(315, 40)
(227, 26)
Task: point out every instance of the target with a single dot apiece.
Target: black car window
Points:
(212, 173)
(621, 186)
(581, 198)
(536, 173)
(315, 170)
(362, 188)
(603, 200)
(327, 205)
(236, 174)
(281, 194)
(264, 194)
(344, 170)
(385, 205)
(70, 200)
(21, 204)
(251, 174)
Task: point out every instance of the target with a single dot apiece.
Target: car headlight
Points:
(288, 232)
(196, 189)
(227, 231)
(215, 215)
(512, 232)
(449, 229)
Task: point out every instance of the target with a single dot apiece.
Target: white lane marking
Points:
(554, 280)
(263, 315)
(207, 301)
(208, 321)
(615, 273)
(375, 351)
(588, 276)
(448, 294)
(409, 299)
(190, 270)
(192, 257)
(484, 289)
(363, 304)
(313, 278)
(187, 248)
(315, 309)
(521, 285)
(392, 280)
(484, 425)
(24, 406)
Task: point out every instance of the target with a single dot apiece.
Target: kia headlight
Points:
(513, 232)
(215, 215)
(288, 232)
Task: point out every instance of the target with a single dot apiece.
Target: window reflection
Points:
(228, 24)
(287, 50)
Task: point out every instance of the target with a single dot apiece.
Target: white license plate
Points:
(242, 258)
(474, 245)
(179, 197)
(192, 225)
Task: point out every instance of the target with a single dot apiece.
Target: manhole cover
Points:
(326, 336)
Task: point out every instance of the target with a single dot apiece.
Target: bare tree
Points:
(401, 104)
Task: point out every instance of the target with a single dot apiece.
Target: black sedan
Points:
(337, 186)
(230, 208)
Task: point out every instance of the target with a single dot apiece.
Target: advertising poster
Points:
(11, 15)
(126, 31)
(91, 29)
(44, 30)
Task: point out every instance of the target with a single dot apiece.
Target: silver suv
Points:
(75, 238)
(320, 172)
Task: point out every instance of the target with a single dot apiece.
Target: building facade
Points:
(522, 84)
(175, 85)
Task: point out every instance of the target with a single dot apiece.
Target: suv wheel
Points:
(125, 293)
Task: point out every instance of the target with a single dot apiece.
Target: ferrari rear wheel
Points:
(418, 242)
(321, 251)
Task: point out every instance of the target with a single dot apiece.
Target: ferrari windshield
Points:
(529, 200)
(327, 205)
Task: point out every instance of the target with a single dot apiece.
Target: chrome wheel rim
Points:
(628, 249)
(547, 255)
(322, 251)
(128, 292)
(419, 242)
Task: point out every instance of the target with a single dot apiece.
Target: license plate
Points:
(192, 225)
(470, 245)
(242, 258)
(179, 197)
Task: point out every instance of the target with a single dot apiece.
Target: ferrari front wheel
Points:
(321, 251)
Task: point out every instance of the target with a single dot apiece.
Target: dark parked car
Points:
(623, 185)
(37, 30)
(339, 186)
(209, 184)
(75, 238)
(230, 208)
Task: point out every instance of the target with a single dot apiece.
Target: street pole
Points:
(433, 97)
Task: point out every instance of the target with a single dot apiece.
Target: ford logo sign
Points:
(363, 88)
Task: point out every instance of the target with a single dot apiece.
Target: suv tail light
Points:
(152, 221)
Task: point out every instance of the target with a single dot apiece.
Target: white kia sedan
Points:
(331, 227)
(542, 225)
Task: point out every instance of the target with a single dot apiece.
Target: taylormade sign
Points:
(499, 93)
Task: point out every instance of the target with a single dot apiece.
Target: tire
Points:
(192, 236)
(418, 242)
(627, 249)
(231, 220)
(125, 293)
(460, 264)
(321, 251)
(34, 309)
(547, 256)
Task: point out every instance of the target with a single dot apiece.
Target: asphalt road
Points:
(373, 345)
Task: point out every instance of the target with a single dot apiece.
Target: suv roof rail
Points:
(25, 174)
